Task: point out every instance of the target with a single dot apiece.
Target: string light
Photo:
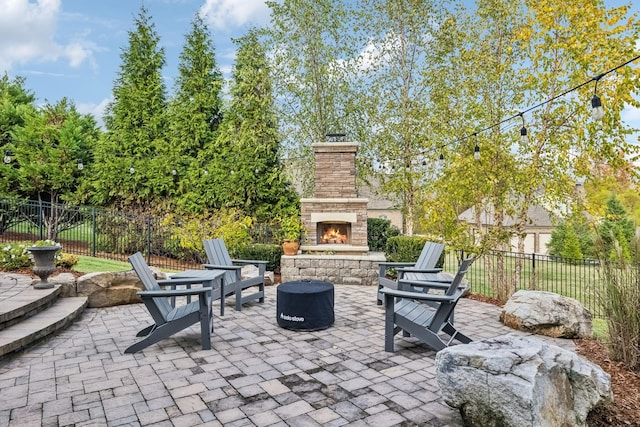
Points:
(476, 149)
(132, 169)
(80, 164)
(7, 157)
(596, 104)
(524, 138)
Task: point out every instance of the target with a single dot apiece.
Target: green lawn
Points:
(88, 264)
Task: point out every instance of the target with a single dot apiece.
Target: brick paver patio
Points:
(257, 374)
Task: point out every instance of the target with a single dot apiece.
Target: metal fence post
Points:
(149, 239)
(533, 263)
(94, 232)
(40, 220)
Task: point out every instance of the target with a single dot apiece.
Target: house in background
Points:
(538, 229)
(379, 207)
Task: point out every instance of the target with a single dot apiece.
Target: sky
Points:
(72, 47)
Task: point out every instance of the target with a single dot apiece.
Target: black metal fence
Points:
(113, 235)
(95, 232)
(575, 278)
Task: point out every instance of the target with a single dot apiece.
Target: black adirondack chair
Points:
(425, 264)
(431, 323)
(169, 319)
(219, 259)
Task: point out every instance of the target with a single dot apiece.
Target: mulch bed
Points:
(625, 409)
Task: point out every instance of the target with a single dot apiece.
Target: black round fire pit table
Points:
(305, 305)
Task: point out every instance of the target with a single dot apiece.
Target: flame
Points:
(333, 235)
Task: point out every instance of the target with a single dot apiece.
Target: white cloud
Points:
(27, 35)
(97, 110)
(223, 14)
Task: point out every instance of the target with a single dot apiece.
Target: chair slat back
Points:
(457, 280)
(150, 284)
(430, 255)
(218, 254)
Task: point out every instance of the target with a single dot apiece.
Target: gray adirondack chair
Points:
(425, 264)
(431, 323)
(219, 259)
(169, 319)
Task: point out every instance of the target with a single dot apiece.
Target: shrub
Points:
(266, 252)
(14, 256)
(120, 234)
(404, 248)
(67, 260)
(379, 230)
(187, 233)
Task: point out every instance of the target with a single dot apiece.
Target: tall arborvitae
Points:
(195, 114)
(255, 181)
(132, 160)
(16, 103)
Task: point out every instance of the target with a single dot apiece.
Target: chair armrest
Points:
(420, 270)
(185, 281)
(221, 267)
(249, 261)
(174, 292)
(397, 264)
(430, 285)
(421, 296)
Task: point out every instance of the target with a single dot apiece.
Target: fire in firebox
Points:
(334, 234)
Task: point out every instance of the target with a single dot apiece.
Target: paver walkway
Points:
(257, 374)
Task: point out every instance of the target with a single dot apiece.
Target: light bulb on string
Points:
(80, 164)
(524, 137)
(596, 104)
(132, 169)
(7, 157)
(476, 149)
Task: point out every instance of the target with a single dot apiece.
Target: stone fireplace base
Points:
(337, 269)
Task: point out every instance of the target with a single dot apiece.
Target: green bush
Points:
(404, 248)
(67, 260)
(14, 256)
(379, 230)
(265, 252)
(121, 235)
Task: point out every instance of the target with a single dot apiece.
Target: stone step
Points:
(61, 314)
(26, 303)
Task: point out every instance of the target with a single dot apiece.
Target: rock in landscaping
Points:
(547, 313)
(112, 288)
(520, 381)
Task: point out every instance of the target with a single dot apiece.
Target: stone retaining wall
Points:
(337, 269)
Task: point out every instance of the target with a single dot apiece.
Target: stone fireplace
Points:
(335, 247)
(336, 218)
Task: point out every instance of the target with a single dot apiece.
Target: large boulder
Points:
(111, 288)
(547, 313)
(520, 381)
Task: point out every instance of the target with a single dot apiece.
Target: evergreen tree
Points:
(47, 151)
(616, 228)
(16, 103)
(255, 181)
(133, 165)
(195, 115)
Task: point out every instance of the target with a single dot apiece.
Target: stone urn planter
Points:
(44, 264)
